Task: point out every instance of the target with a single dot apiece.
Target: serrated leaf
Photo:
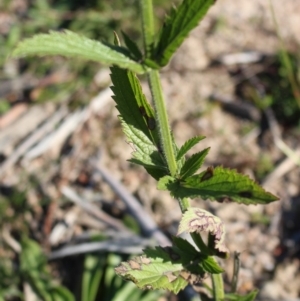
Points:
(159, 268)
(167, 183)
(184, 247)
(188, 253)
(132, 46)
(177, 26)
(210, 265)
(193, 163)
(181, 160)
(220, 184)
(132, 103)
(199, 220)
(138, 122)
(235, 297)
(187, 146)
(153, 274)
(153, 170)
(70, 44)
(145, 153)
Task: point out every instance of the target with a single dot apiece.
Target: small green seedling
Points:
(147, 129)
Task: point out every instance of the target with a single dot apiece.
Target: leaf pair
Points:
(219, 184)
(171, 268)
(174, 267)
(192, 164)
(176, 27)
(139, 125)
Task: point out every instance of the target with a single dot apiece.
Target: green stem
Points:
(165, 133)
(217, 280)
(162, 120)
(236, 268)
(184, 204)
(218, 287)
(146, 8)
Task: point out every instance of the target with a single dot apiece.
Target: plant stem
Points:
(146, 8)
(236, 268)
(162, 120)
(217, 280)
(184, 204)
(217, 287)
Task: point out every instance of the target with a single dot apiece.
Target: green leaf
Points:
(177, 26)
(210, 265)
(70, 44)
(170, 268)
(163, 268)
(132, 103)
(193, 164)
(189, 254)
(132, 46)
(235, 297)
(145, 153)
(138, 122)
(221, 184)
(153, 170)
(153, 274)
(199, 220)
(184, 248)
(188, 145)
(168, 183)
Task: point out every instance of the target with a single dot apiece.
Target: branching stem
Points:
(165, 132)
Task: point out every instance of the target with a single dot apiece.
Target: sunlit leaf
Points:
(157, 273)
(188, 145)
(222, 184)
(70, 44)
(171, 268)
(168, 183)
(193, 163)
(138, 121)
(177, 26)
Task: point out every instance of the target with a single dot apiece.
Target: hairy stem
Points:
(146, 8)
(162, 120)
